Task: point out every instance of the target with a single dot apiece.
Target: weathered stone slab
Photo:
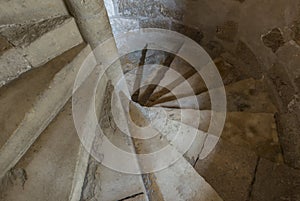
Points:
(275, 182)
(150, 8)
(41, 114)
(229, 169)
(12, 64)
(53, 43)
(36, 51)
(16, 12)
(247, 95)
(123, 25)
(28, 88)
(49, 164)
(24, 34)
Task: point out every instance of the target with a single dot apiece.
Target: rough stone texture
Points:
(162, 23)
(4, 44)
(254, 131)
(28, 88)
(296, 32)
(249, 59)
(36, 50)
(150, 8)
(273, 39)
(230, 170)
(275, 182)
(24, 34)
(41, 113)
(191, 32)
(289, 138)
(12, 64)
(122, 25)
(46, 170)
(227, 31)
(19, 12)
(60, 40)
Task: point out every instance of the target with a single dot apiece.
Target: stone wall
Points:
(261, 38)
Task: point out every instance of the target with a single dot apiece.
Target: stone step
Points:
(41, 113)
(105, 183)
(230, 170)
(187, 86)
(186, 185)
(28, 88)
(253, 131)
(178, 181)
(196, 143)
(162, 184)
(45, 41)
(48, 166)
(191, 86)
(16, 12)
(144, 78)
(179, 71)
(248, 95)
(275, 182)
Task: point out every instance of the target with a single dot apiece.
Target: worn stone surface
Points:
(24, 34)
(36, 50)
(254, 131)
(103, 183)
(4, 44)
(227, 31)
(275, 182)
(242, 96)
(19, 12)
(249, 59)
(273, 39)
(230, 170)
(60, 40)
(289, 138)
(150, 8)
(122, 25)
(41, 113)
(191, 32)
(28, 88)
(296, 30)
(162, 23)
(12, 64)
(47, 166)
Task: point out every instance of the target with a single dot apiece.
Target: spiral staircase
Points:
(41, 157)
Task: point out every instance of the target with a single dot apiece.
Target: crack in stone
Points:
(131, 196)
(253, 180)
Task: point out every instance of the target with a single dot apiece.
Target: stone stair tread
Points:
(186, 185)
(254, 131)
(178, 134)
(230, 170)
(159, 182)
(48, 165)
(148, 73)
(18, 96)
(248, 95)
(57, 40)
(172, 78)
(108, 184)
(41, 113)
(16, 12)
(273, 181)
(191, 86)
(196, 82)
